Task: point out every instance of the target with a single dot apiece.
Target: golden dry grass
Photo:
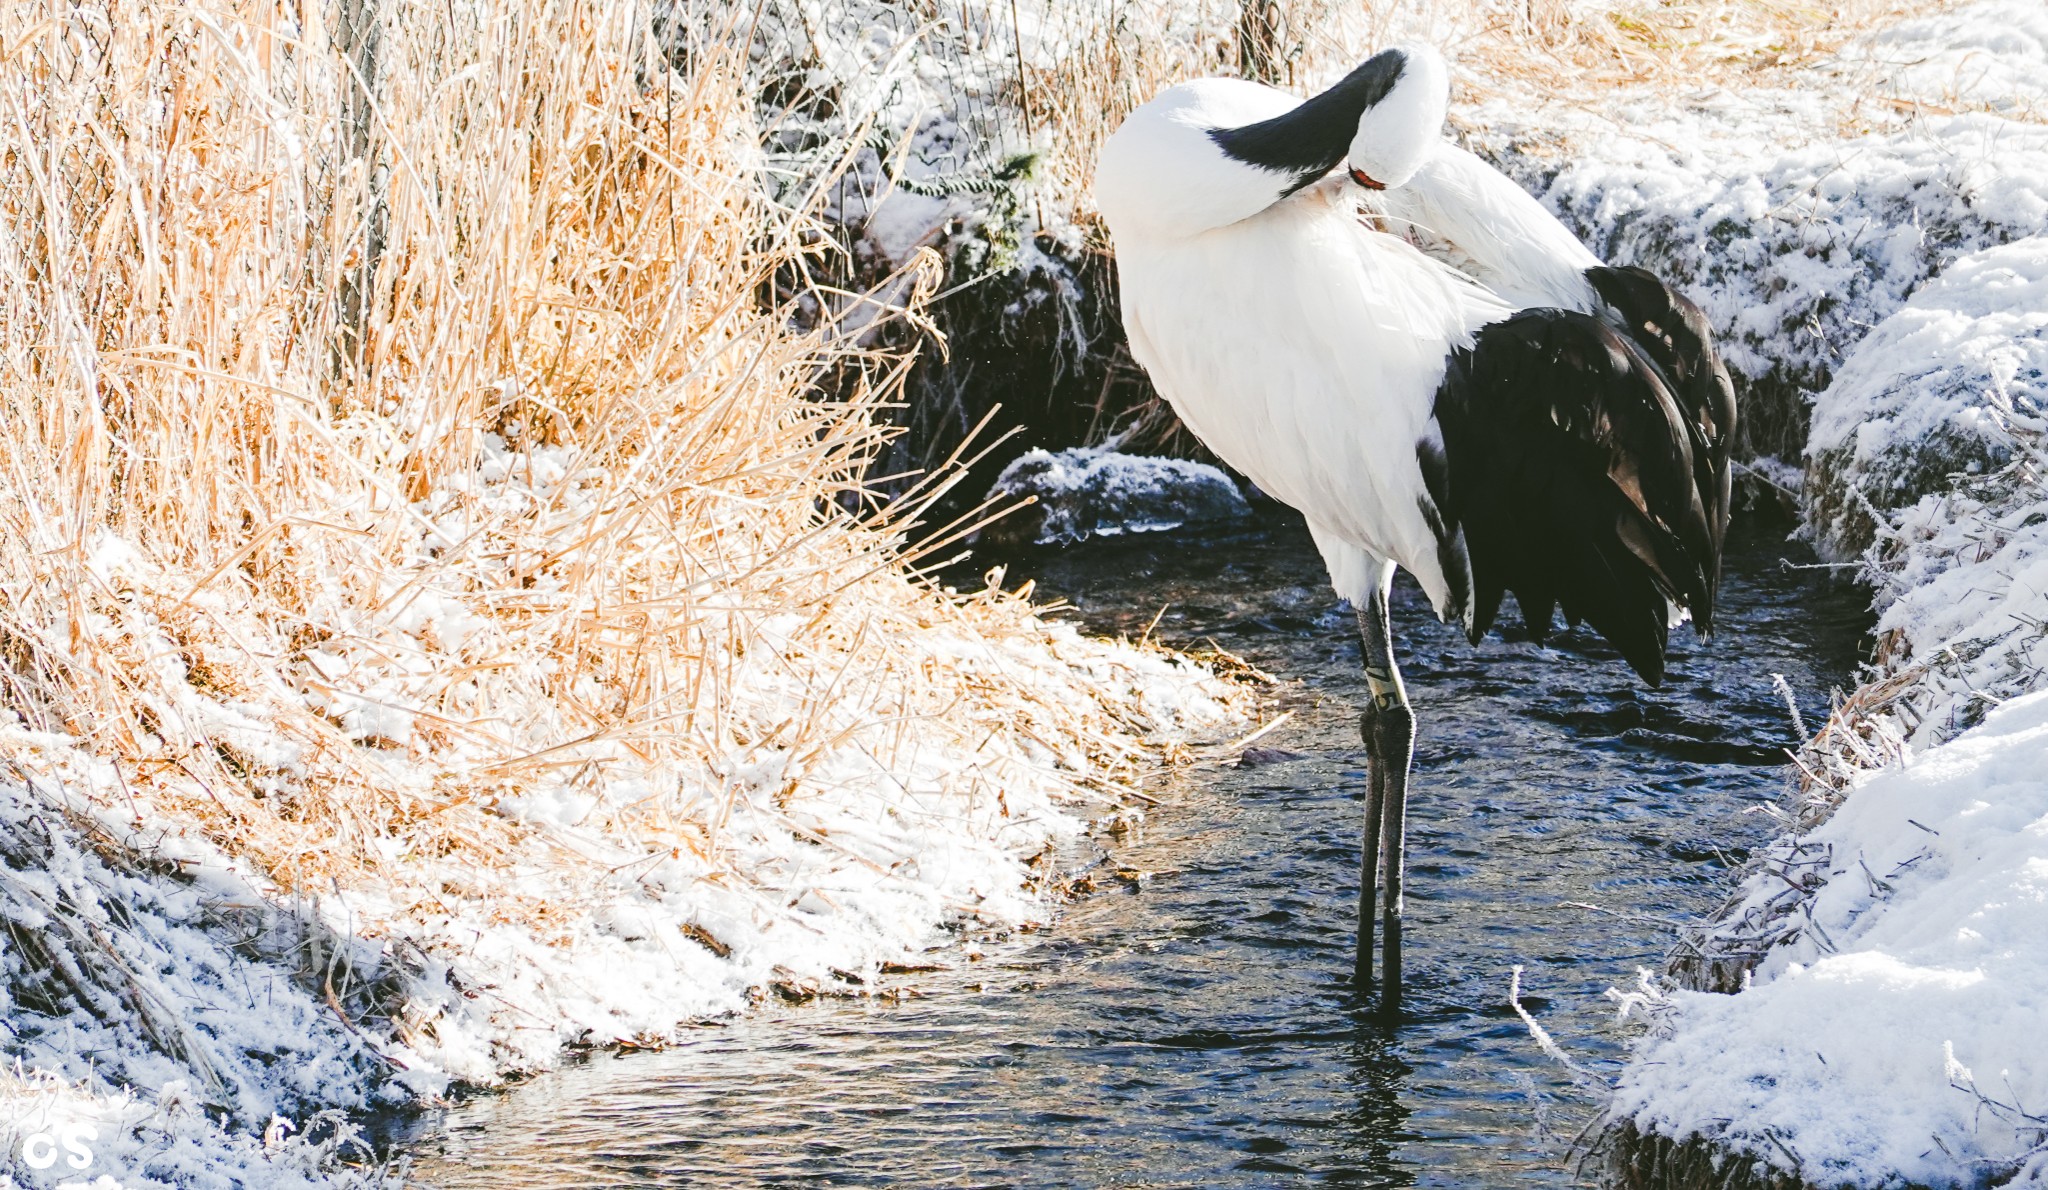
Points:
(392, 423)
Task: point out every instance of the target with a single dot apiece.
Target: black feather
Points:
(1310, 140)
(1586, 467)
(1675, 334)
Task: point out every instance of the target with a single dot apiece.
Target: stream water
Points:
(1196, 1027)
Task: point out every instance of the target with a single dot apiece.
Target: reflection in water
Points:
(1197, 1028)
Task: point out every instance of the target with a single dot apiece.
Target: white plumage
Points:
(1474, 217)
(1299, 344)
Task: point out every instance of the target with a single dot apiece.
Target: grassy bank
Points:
(438, 584)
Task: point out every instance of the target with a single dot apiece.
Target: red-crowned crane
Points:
(1455, 386)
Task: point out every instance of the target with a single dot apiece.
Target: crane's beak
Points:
(1364, 179)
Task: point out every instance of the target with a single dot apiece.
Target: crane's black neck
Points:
(1309, 141)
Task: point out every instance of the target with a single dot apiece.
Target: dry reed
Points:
(391, 423)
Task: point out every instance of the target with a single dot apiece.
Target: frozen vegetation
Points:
(1937, 389)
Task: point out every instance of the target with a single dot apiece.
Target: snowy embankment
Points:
(1897, 1037)
(1890, 955)
(1887, 956)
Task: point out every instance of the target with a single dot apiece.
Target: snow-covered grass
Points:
(1896, 1038)
(1957, 572)
(1886, 953)
(445, 620)
(67, 1135)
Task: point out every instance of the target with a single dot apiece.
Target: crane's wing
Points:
(1675, 334)
(1584, 473)
(1474, 218)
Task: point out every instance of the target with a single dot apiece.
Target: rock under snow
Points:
(1096, 492)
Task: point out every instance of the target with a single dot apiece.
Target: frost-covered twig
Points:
(1586, 1080)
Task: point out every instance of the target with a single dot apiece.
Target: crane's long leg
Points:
(1369, 854)
(1390, 745)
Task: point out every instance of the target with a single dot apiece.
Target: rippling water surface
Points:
(1196, 1028)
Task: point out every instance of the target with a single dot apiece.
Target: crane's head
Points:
(1210, 152)
(1397, 132)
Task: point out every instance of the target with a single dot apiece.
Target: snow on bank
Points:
(161, 1022)
(1931, 392)
(184, 991)
(1891, 953)
(1900, 1040)
(1948, 397)
(62, 1135)
(180, 1003)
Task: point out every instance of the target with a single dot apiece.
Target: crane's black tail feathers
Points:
(1675, 334)
(1584, 466)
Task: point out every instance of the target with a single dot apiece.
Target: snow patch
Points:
(163, 1011)
(142, 963)
(1994, 54)
(1929, 393)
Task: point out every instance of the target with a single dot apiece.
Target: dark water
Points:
(1196, 1027)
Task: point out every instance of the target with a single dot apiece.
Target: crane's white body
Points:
(1462, 210)
(1302, 346)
